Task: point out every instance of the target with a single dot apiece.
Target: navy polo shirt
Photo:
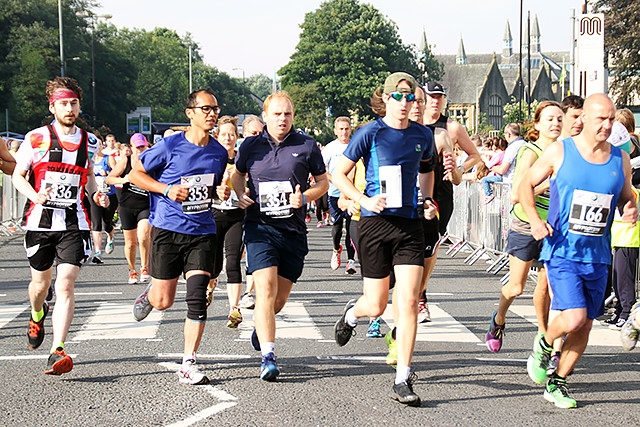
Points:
(274, 171)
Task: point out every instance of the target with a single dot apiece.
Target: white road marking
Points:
(225, 400)
(600, 335)
(442, 328)
(292, 322)
(32, 357)
(114, 321)
(10, 312)
(96, 293)
(204, 356)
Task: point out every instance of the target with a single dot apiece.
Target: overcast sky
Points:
(259, 36)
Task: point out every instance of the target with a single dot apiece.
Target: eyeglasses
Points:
(410, 97)
(207, 109)
(421, 101)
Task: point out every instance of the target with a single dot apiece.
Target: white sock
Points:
(350, 317)
(185, 358)
(402, 374)
(267, 347)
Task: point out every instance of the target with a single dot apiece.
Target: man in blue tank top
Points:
(181, 173)
(589, 179)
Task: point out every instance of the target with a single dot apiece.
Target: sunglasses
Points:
(410, 97)
(206, 109)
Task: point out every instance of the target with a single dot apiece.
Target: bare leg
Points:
(144, 242)
(130, 245)
(65, 302)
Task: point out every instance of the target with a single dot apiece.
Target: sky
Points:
(259, 36)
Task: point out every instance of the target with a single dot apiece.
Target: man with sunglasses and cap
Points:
(395, 152)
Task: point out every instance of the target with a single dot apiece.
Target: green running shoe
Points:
(392, 356)
(557, 393)
(538, 362)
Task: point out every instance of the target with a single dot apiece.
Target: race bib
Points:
(137, 190)
(391, 185)
(589, 213)
(64, 189)
(200, 193)
(102, 185)
(230, 203)
(274, 198)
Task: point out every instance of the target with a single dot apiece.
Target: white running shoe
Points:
(190, 374)
(247, 301)
(351, 267)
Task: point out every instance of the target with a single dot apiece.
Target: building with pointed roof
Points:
(478, 86)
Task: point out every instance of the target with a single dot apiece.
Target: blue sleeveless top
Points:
(583, 197)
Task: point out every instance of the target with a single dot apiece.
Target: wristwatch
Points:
(462, 169)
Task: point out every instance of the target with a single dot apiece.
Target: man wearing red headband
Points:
(54, 170)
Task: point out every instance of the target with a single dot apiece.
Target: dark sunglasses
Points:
(410, 97)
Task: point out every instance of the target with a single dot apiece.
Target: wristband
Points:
(429, 199)
(166, 191)
(462, 169)
(304, 199)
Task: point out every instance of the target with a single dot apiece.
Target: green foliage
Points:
(484, 129)
(517, 113)
(622, 41)
(346, 50)
(260, 85)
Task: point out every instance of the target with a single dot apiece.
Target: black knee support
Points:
(197, 297)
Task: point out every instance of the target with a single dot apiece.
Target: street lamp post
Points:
(62, 67)
(93, 17)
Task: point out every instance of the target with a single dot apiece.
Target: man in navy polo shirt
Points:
(278, 162)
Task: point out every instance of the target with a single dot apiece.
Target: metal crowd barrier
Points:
(12, 206)
(481, 229)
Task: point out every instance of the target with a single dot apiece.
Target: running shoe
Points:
(538, 362)
(247, 301)
(95, 259)
(133, 277)
(629, 332)
(610, 321)
(255, 342)
(269, 370)
(392, 345)
(319, 224)
(144, 275)
(51, 292)
(374, 329)
(235, 318)
(553, 363)
(557, 393)
(59, 363)
(307, 218)
(108, 248)
(351, 267)
(35, 334)
(342, 330)
(494, 335)
(142, 307)
(618, 325)
(335, 258)
(424, 315)
(404, 393)
(190, 374)
(488, 199)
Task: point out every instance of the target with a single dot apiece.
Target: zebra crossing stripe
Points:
(10, 312)
(600, 335)
(442, 328)
(292, 322)
(115, 321)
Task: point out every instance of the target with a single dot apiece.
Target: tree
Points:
(260, 85)
(346, 50)
(515, 113)
(622, 38)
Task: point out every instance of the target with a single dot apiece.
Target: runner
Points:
(589, 179)
(180, 172)
(394, 151)
(58, 159)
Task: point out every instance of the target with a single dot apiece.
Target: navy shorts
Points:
(577, 285)
(336, 213)
(523, 246)
(268, 246)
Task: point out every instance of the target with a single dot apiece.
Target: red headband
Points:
(59, 94)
